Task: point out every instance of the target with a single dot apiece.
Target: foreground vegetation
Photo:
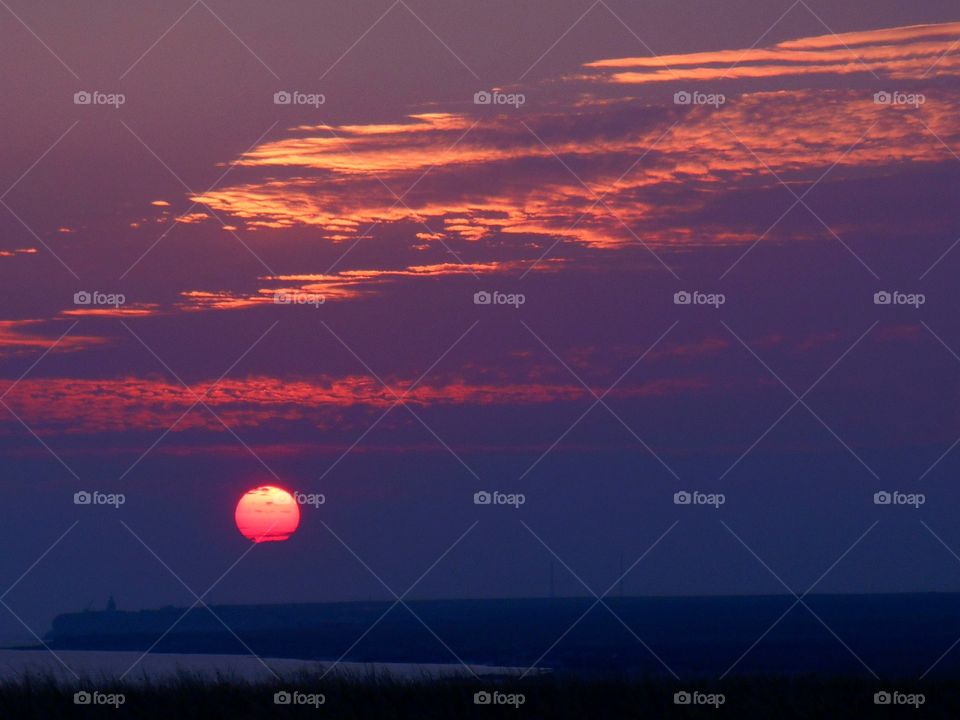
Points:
(550, 696)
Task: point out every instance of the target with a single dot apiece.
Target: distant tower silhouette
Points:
(111, 604)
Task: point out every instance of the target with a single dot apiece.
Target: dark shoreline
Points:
(837, 635)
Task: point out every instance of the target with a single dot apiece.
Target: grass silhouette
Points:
(554, 696)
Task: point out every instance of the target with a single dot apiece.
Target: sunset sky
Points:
(298, 289)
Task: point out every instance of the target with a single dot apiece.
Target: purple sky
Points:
(796, 195)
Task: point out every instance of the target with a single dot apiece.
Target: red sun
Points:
(267, 514)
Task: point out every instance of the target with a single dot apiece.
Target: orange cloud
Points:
(319, 288)
(131, 310)
(18, 251)
(491, 179)
(899, 52)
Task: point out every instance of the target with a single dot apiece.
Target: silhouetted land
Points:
(895, 635)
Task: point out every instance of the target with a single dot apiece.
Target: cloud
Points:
(18, 251)
(689, 160)
(913, 51)
(320, 288)
(25, 336)
(129, 310)
(608, 172)
(80, 406)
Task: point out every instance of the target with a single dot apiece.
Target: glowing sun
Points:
(267, 514)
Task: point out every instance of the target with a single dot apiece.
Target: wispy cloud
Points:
(28, 336)
(899, 52)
